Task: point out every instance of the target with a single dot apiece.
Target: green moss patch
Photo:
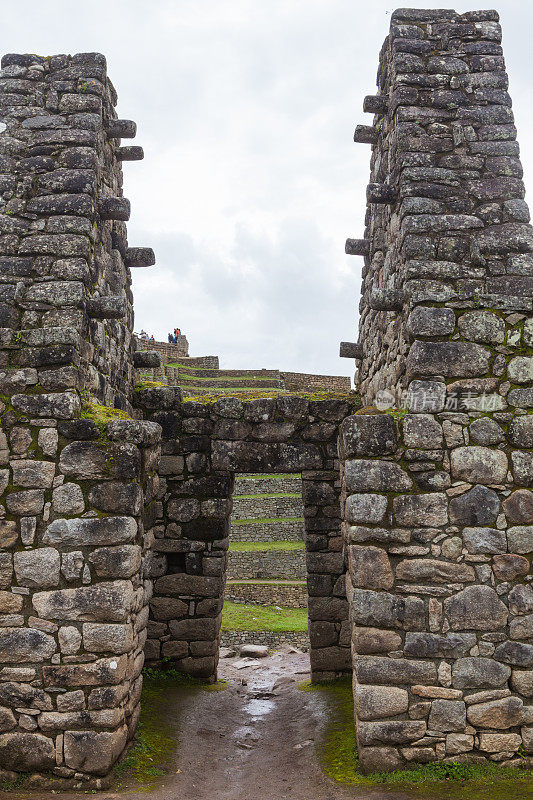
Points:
(337, 753)
(102, 414)
(249, 617)
(257, 547)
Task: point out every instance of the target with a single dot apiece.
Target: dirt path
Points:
(255, 740)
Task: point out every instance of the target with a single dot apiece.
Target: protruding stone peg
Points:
(375, 104)
(386, 300)
(357, 247)
(121, 129)
(366, 134)
(139, 257)
(147, 359)
(131, 153)
(110, 307)
(115, 208)
(380, 193)
(351, 350)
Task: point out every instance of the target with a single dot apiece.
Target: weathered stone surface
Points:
(33, 474)
(422, 431)
(499, 714)
(377, 702)
(484, 540)
(499, 742)
(90, 532)
(375, 476)
(509, 567)
(479, 506)
(479, 465)
(68, 499)
(90, 460)
(520, 539)
(516, 653)
(26, 752)
(390, 732)
(479, 673)
(421, 509)
(100, 638)
(116, 562)
(476, 608)
(365, 508)
(381, 609)
(23, 645)
(430, 645)
(485, 431)
(482, 326)
(37, 568)
(451, 359)
(102, 602)
(520, 369)
(520, 431)
(518, 507)
(447, 716)
(368, 435)
(433, 571)
(374, 640)
(370, 568)
(94, 752)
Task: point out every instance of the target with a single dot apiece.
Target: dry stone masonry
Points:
(117, 496)
(76, 494)
(438, 516)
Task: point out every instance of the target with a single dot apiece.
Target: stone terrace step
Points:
(292, 594)
(224, 383)
(290, 530)
(266, 507)
(282, 564)
(228, 373)
(267, 484)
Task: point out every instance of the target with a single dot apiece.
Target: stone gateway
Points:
(117, 495)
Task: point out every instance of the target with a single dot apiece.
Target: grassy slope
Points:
(247, 617)
(257, 547)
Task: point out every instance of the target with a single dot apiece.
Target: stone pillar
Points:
(437, 511)
(76, 505)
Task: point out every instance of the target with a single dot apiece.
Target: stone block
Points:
(37, 568)
(94, 752)
(431, 645)
(390, 732)
(27, 752)
(498, 714)
(479, 673)
(447, 716)
(479, 506)
(518, 507)
(101, 602)
(33, 474)
(421, 509)
(368, 641)
(368, 435)
(370, 568)
(90, 532)
(384, 610)
(476, 608)
(68, 499)
(101, 638)
(479, 465)
(376, 702)
(484, 540)
(365, 508)
(364, 475)
(25, 645)
(451, 359)
(123, 561)
(499, 742)
(433, 571)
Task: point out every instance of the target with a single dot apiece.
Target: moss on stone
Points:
(102, 414)
(337, 753)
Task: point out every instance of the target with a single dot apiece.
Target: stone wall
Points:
(303, 382)
(77, 494)
(278, 530)
(437, 513)
(286, 564)
(168, 351)
(204, 445)
(273, 640)
(291, 594)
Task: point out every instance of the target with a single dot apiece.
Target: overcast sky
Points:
(251, 181)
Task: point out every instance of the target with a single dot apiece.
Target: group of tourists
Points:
(144, 336)
(173, 338)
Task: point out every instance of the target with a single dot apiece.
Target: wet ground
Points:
(259, 738)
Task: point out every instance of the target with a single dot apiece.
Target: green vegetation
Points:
(148, 385)
(247, 394)
(260, 520)
(256, 547)
(102, 414)
(247, 617)
(454, 781)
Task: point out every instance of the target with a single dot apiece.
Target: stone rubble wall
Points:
(286, 564)
(203, 446)
(267, 593)
(280, 530)
(304, 382)
(438, 516)
(168, 351)
(76, 494)
(274, 641)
